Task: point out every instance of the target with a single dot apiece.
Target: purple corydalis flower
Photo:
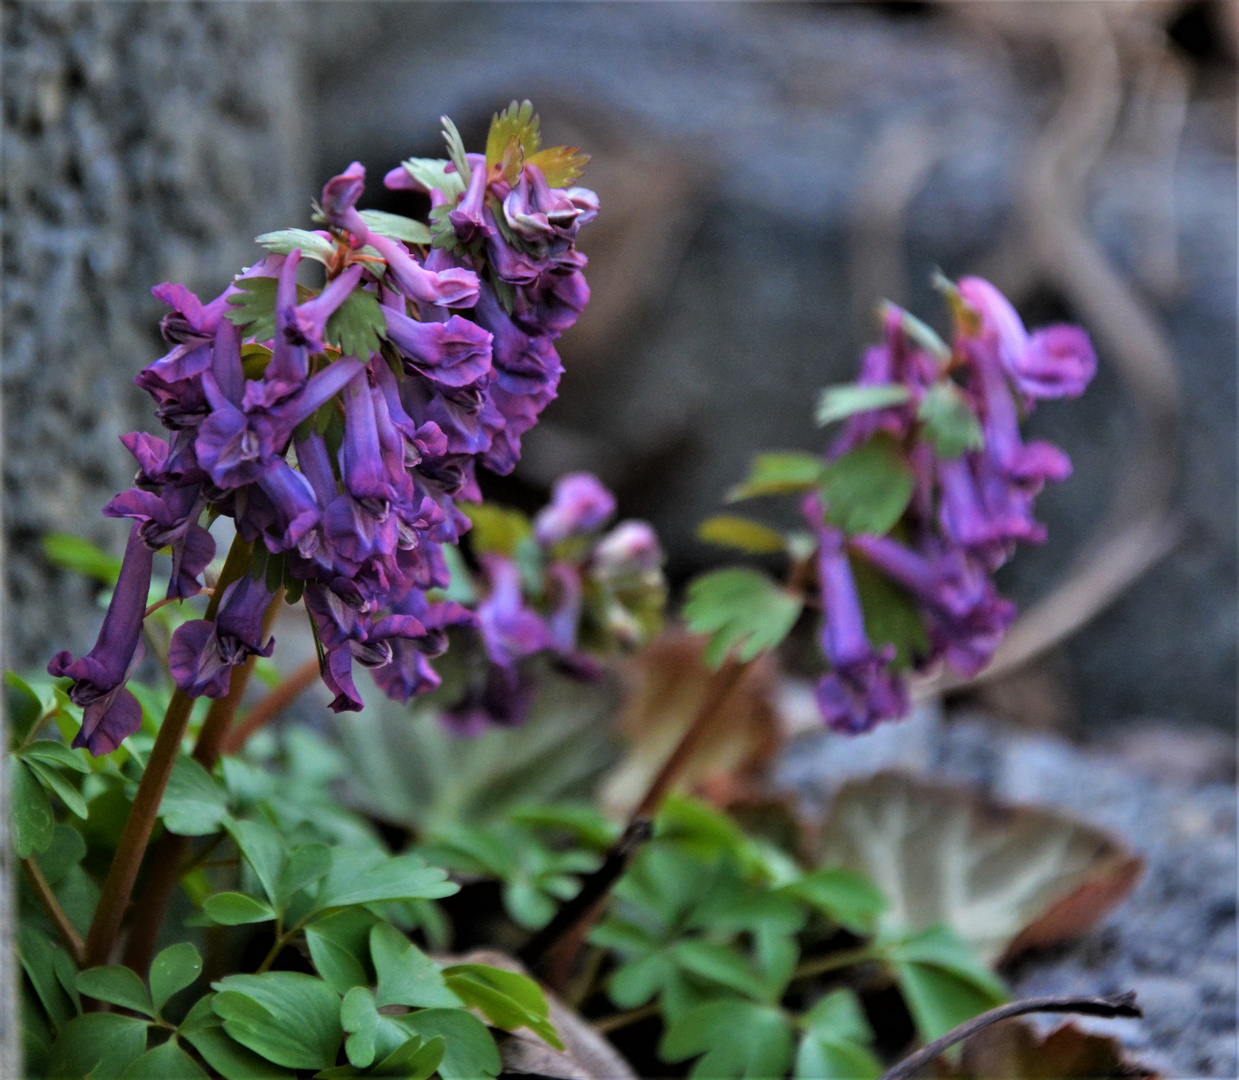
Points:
(627, 553)
(202, 654)
(510, 630)
(1057, 361)
(860, 690)
(170, 520)
(110, 712)
(468, 221)
(452, 353)
(537, 212)
(579, 504)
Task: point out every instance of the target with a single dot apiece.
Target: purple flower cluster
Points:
(967, 511)
(340, 429)
(590, 585)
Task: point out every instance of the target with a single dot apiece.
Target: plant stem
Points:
(616, 1021)
(68, 934)
(271, 706)
(556, 946)
(118, 885)
(820, 965)
(171, 850)
(1118, 1005)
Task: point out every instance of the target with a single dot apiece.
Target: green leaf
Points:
(456, 150)
(405, 877)
(118, 986)
(470, 1052)
(431, 174)
(839, 1018)
(175, 968)
(58, 786)
(892, 615)
(337, 944)
(846, 896)
(358, 325)
(460, 588)
(519, 124)
(396, 226)
(840, 402)
(738, 1039)
(52, 974)
(636, 982)
(30, 812)
(743, 610)
(560, 165)
(778, 474)
(941, 947)
(193, 803)
(406, 975)
(727, 530)
(417, 1059)
(252, 310)
(949, 421)
(937, 999)
(264, 849)
(718, 963)
(56, 754)
(311, 244)
(236, 909)
(360, 1019)
(73, 553)
(496, 528)
(289, 1018)
(921, 333)
(507, 1000)
(306, 865)
(166, 1062)
(23, 707)
(585, 824)
(867, 489)
(205, 1031)
(66, 851)
(836, 1041)
(102, 1045)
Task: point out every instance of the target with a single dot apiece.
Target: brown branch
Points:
(67, 932)
(1120, 1005)
(271, 706)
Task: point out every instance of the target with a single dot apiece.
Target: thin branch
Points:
(1119, 1005)
(821, 965)
(558, 943)
(607, 1024)
(271, 706)
(67, 932)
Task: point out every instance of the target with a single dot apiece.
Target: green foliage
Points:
(101, 1045)
(742, 610)
(456, 150)
(252, 310)
(172, 971)
(844, 896)
(81, 556)
(867, 489)
(892, 616)
(514, 134)
(508, 1000)
(778, 474)
(396, 226)
(727, 530)
(920, 332)
(737, 1039)
(949, 421)
(849, 399)
(311, 245)
(835, 1041)
(497, 529)
(30, 811)
(117, 986)
(358, 326)
(287, 1017)
(431, 173)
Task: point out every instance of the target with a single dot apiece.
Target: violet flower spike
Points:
(110, 712)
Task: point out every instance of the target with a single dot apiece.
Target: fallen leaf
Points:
(1003, 878)
(1012, 1051)
(666, 686)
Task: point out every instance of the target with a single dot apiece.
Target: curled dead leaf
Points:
(1012, 1051)
(1004, 878)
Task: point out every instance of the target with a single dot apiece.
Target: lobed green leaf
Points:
(742, 610)
(778, 474)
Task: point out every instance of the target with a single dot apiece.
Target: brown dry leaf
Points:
(666, 685)
(1012, 1051)
(587, 1055)
(1003, 878)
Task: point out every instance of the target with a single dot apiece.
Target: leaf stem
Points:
(66, 931)
(1117, 1005)
(615, 1021)
(118, 885)
(820, 965)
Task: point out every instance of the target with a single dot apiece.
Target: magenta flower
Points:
(579, 504)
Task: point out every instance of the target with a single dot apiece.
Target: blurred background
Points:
(766, 173)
